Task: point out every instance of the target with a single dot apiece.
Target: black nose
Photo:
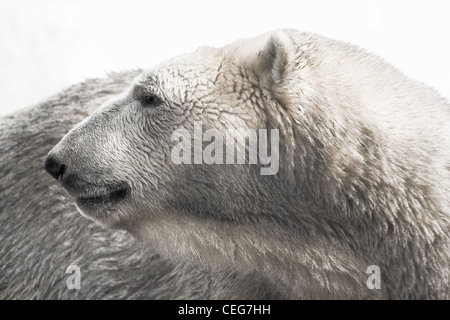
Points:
(54, 167)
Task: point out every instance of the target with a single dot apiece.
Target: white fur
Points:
(364, 167)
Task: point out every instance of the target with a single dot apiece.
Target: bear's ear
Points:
(274, 60)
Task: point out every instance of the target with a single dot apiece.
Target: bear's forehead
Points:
(190, 68)
(174, 78)
(180, 80)
(176, 73)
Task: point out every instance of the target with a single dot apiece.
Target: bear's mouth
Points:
(102, 201)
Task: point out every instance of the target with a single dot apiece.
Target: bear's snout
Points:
(54, 167)
(94, 193)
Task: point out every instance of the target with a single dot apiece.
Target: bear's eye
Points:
(150, 100)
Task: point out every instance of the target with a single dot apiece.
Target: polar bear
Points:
(362, 175)
(43, 237)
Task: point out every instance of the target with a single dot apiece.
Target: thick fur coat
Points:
(363, 179)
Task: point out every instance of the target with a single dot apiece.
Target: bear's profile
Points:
(362, 179)
(42, 234)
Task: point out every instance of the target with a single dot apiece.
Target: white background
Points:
(46, 45)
